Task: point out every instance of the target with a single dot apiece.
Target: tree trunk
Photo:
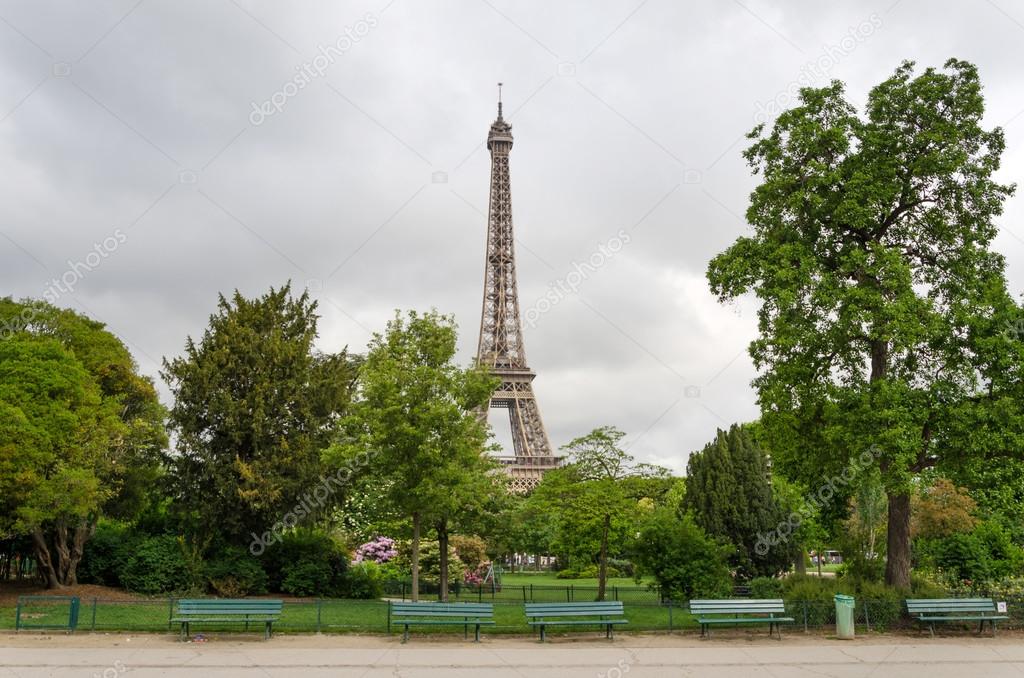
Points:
(61, 551)
(442, 547)
(415, 557)
(800, 562)
(43, 560)
(602, 565)
(897, 563)
(83, 532)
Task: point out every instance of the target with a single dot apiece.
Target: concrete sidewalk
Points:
(110, 656)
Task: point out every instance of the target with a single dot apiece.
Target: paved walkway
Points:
(110, 656)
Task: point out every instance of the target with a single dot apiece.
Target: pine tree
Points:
(730, 495)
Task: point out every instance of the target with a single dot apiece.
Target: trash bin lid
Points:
(843, 598)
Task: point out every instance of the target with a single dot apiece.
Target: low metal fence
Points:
(372, 616)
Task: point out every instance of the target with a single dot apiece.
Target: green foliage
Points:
(685, 562)
(314, 560)
(586, 572)
(254, 406)
(976, 558)
(364, 580)
(471, 550)
(308, 578)
(587, 510)
(871, 258)
(766, 587)
(235, 573)
(728, 491)
(414, 430)
(106, 554)
(158, 565)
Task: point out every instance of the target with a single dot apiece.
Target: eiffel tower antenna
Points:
(501, 347)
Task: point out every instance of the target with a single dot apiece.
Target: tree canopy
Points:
(881, 302)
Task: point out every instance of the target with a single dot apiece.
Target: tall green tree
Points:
(254, 405)
(730, 495)
(594, 498)
(81, 432)
(415, 426)
(882, 303)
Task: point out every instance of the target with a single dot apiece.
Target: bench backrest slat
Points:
(442, 609)
(937, 605)
(738, 606)
(229, 606)
(583, 609)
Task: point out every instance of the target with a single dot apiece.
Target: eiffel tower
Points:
(501, 331)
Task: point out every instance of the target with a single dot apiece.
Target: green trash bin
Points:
(844, 616)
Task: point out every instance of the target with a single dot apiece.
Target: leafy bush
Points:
(158, 565)
(816, 592)
(106, 554)
(236, 574)
(364, 580)
(307, 578)
(684, 561)
(587, 572)
(472, 550)
(306, 560)
(624, 567)
(765, 587)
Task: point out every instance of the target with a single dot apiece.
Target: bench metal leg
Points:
(476, 634)
(542, 633)
(405, 635)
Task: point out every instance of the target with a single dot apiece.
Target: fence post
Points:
(479, 594)
(170, 612)
(867, 621)
(531, 592)
(319, 610)
(389, 617)
(805, 616)
(17, 616)
(615, 592)
(92, 626)
(570, 592)
(524, 593)
(670, 615)
(73, 614)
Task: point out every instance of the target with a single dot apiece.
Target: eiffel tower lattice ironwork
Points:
(501, 330)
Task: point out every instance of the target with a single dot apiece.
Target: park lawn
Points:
(335, 616)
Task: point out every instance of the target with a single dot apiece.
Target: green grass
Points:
(335, 616)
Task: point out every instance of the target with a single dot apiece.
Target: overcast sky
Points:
(172, 140)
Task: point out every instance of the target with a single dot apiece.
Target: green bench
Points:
(947, 610)
(441, 614)
(738, 611)
(227, 611)
(543, 615)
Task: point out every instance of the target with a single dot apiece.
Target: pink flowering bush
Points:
(380, 550)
